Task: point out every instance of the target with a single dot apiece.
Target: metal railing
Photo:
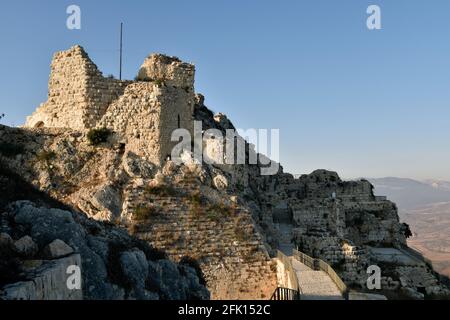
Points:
(285, 294)
(318, 264)
(289, 270)
(305, 259)
(334, 276)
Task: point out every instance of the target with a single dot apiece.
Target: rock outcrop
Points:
(53, 243)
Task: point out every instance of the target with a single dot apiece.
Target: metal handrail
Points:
(318, 264)
(290, 270)
(285, 294)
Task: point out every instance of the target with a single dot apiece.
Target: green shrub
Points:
(219, 211)
(159, 82)
(10, 150)
(143, 79)
(98, 136)
(162, 191)
(241, 233)
(144, 213)
(45, 156)
(407, 230)
(196, 198)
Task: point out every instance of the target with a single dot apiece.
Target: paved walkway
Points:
(315, 285)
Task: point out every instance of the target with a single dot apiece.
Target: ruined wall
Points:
(177, 107)
(148, 112)
(78, 93)
(176, 97)
(222, 237)
(143, 114)
(170, 70)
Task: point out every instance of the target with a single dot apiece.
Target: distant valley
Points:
(425, 206)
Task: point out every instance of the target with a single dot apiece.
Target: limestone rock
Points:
(49, 283)
(135, 267)
(137, 167)
(57, 249)
(220, 182)
(26, 247)
(101, 249)
(109, 201)
(169, 70)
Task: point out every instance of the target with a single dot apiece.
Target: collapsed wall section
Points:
(78, 94)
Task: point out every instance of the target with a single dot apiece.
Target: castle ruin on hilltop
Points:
(142, 113)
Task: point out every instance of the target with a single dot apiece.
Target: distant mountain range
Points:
(411, 194)
(425, 206)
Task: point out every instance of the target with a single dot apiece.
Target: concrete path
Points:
(315, 285)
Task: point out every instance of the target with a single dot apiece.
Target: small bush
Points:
(162, 191)
(358, 221)
(110, 76)
(143, 79)
(98, 136)
(144, 213)
(192, 263)
(45, 156)
(219, 211)
(159, 82)
(407, 230)
(11, 150)
(196, 210)
(196, 198)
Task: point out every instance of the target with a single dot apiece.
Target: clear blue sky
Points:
(363, 103)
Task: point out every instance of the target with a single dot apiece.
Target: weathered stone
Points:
(220, 182)
(57, 249)
(6, 242)
(49, 283)
(94, 256)
(108, 200)
(135, 267)
(26, 247)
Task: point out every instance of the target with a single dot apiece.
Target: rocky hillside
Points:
(41, 239)
(228, 220)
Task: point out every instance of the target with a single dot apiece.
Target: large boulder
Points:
(26, 247)
(135, 268)
(109, 201)
(48, 283)
(57, 249)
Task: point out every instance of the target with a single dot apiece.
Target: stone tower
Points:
(78, 94)
(142, 113)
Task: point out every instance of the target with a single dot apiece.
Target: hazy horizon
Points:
(359, 102)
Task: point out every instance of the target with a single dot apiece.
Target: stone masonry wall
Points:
(78, 93)
(143, 114)
(170, 70)
(222, 239)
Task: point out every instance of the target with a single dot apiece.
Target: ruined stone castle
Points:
(143, 113)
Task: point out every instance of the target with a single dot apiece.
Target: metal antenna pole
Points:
(121, 46)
